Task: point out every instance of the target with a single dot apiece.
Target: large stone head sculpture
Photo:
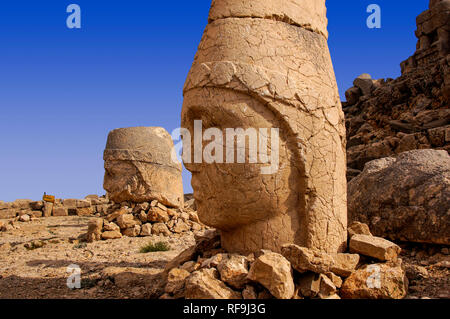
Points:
(139, 167)
(266, 66)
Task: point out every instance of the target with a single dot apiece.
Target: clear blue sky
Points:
(63, 90)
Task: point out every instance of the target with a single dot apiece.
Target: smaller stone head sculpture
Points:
(139, 167)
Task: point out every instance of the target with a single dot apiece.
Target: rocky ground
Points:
(117, 269)
(110, 269)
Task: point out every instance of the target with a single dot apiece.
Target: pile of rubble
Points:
(143, 219)
(25, 209)
(387, 117)
(370, 269)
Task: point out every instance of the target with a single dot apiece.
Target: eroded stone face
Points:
(263, 70)
(139, 167)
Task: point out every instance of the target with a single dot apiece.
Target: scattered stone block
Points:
(375, 247)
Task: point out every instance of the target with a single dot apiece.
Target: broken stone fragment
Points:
(4, 205)
(309, 285)
(116, 214)
(24, 218)
(142, 216)
(60, 211)
(190, 266)
(249, 293)
(416, 184)
(337, 281)
(181, 227)
(146, 230)
(352, 95)
(376, 281)
(327, 287)
(357, 228)
(274, 272)
(94, 232)
(38, 205)
(132, 231)
(272, 71)
(84, 211)
(8, 213)
(127, 221)
(365, 83)
(160, 229)
(375, 247)
(156, 214)
(214, 261)
(111, 235)
(233, 271)
(19, 204)
(304, 259)
(176, 282)
(203, 284)
(139, 167)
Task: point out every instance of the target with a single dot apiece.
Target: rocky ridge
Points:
(386, 117)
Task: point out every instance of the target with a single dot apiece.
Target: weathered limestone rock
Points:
(404, 198)
(304, 259)
(116, 214)
(309, 285)
(160, 229)
(156, 214)
(374, 247)
(336, 280)
(146, 230)
(327, 287)
(365, 83)
(84, 211)
(352, 95)
(176, 282)
(8, 213)
(35, 213)
(127, 221)
(234, 271)
(21, 204)
(267, 65)
(357, 228)
(274, 272)
(4, 205)
(249, 293)
(24, 218)
(139, 167)
(180, 227)
(60, 211)
(112, 234)
(411, 111)
(110, 226)
(132, 231)
(203, 284)
(376, 281)
(48, 209)
(95, 227)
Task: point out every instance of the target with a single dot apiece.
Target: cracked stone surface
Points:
(268, 65)
(404, 198)
(139, 167)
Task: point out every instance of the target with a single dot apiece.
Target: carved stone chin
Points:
(267, 66)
